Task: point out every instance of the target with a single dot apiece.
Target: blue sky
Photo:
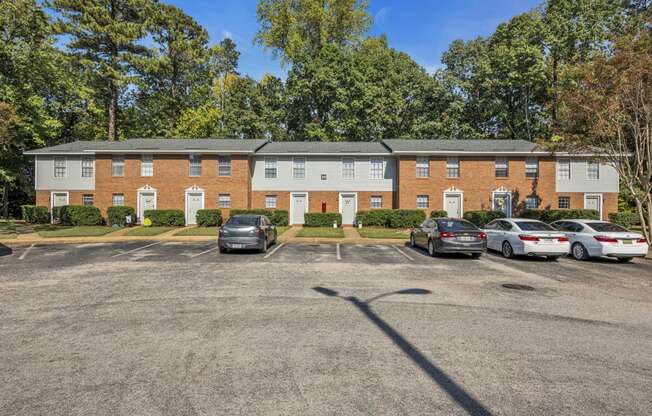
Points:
(421, 28)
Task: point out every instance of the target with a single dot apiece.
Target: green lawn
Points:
(319, 232)
(148, 231)
(7, 230)
(203, 231)
(280, 230)
(383, 233)
(52, 231)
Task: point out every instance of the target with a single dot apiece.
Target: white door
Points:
(299, 207)
(147, 201)
(593, 202)
(453, 206)
(348, 208)
(195, 202)
(503, 202)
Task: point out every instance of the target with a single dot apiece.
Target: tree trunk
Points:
(5, 200)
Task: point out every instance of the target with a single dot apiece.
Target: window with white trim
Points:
(224, 166)
(194, 165)
(531, 202)
(452, 167)
(376, 201)
(423, 167)
(270, 201)
(299, 168)
(147, 165)
(117, 200)
(270, 168)
(592, 171)
(348, 168)
(59, 166)
(224, 201)
(87, 167)
(531, 167)
(118, 165)
(564, 169)
(423, 201)
(563, 202)
(502, 167)
(87, 199)
(376, 168)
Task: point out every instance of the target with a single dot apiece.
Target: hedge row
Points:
(550, 215)
(209, 217)
(322, 219)
(118, 215)
(276, 216)
(480, 218)
(165, 217)
(625, 219)
(390, 218)
(33, 214)
(438, 214)
(79, 215)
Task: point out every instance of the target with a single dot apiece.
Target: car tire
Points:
(263, 249)
(507, 250)
(413, 242)
(223, 249)
(579, 252)
(431, 248)
(552, 258)
(624, 259)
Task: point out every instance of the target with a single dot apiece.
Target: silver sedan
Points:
(526, 237)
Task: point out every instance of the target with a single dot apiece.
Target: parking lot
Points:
(173, 328)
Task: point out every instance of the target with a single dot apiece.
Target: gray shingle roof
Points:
(163, 145)
(419, 146)
(324, 148)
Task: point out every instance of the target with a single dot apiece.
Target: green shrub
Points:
(374, 218)
(117, 215)
(322, 219)
(209, 217)
(80, 215)
(33, 214)
(276, 216)
(534, 214)
(165, 217)
(390, 218)
(481, 218)
(438, 214)
(551, 215)
(625, 218)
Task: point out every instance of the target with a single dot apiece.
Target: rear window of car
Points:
(243, 221)
(455, 225)
(533, 226)
(606, 227)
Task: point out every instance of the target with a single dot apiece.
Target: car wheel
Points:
(431, 248)
(264, 247)
(413, 241)
(223, 249)
(624, 259)
(579, 252)
(553, 258)
(508, 251)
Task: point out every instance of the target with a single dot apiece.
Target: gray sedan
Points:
(449, 235)
(247, 232)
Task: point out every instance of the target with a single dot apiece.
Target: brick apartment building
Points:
(451, 175)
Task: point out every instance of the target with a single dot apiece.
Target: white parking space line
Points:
(274, 251)
(27, 250)
(136, 249)
(337, 250)
(403, 253)
(205, 251)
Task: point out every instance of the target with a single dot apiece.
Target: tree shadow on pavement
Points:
(456, 392)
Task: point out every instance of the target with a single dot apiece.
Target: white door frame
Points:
(146, 189)
(601, 201)
(355, 201)
(52, 202)
(292, 194)
(455, 193)
(511, 200)
(193, 190)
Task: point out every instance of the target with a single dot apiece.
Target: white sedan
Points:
(521, 236)
(592, 238)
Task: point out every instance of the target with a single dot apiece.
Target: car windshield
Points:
(606, 227)
(455, 225)
(243, 221)
(533, 226)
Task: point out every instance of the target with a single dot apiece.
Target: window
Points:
(452, 167)
(531, 202)
(87, 199)
(592, 171)
(118, 165)
(147, 165)
(531, 167)
(324, 176)
(564, 169)
(117, 200)
(59, 167)
(376, 201)
(87, 167)
(376, 168)
(299, 168)
(348, 168)
(270, 201)
(422, 201)
(194, 165)
(224, 166)
(270, 168)
(502, 167)
(423, 166)
(224, 201)
(563, 202)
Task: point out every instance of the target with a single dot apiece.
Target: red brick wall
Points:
(331, 198)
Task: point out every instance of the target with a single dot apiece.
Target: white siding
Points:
(578, 182)
(73, 180)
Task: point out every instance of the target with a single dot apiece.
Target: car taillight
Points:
(482, 236)
(641, 241)
(562, 239)
(525, 237)
(446, 234)
(605, 239)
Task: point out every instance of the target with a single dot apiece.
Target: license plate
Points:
(627, 241)
(237, 245)
(466, 238)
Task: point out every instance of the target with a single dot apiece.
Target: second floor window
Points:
(270, 168)
(147, 165)
(59, 167)
(423, 167)
(299, 168)
(224, 201)
(194, 165)
(376, 168)
(452, 167)
(502, 167)
(531, 167)
(224, 166)
(118, 165)
(564, 169)
(592, 171)
(348, 168)
(87, 167)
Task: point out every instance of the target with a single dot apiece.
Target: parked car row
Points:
(527, 237)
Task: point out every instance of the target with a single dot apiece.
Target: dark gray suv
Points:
(449, 235)
(247, 231)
